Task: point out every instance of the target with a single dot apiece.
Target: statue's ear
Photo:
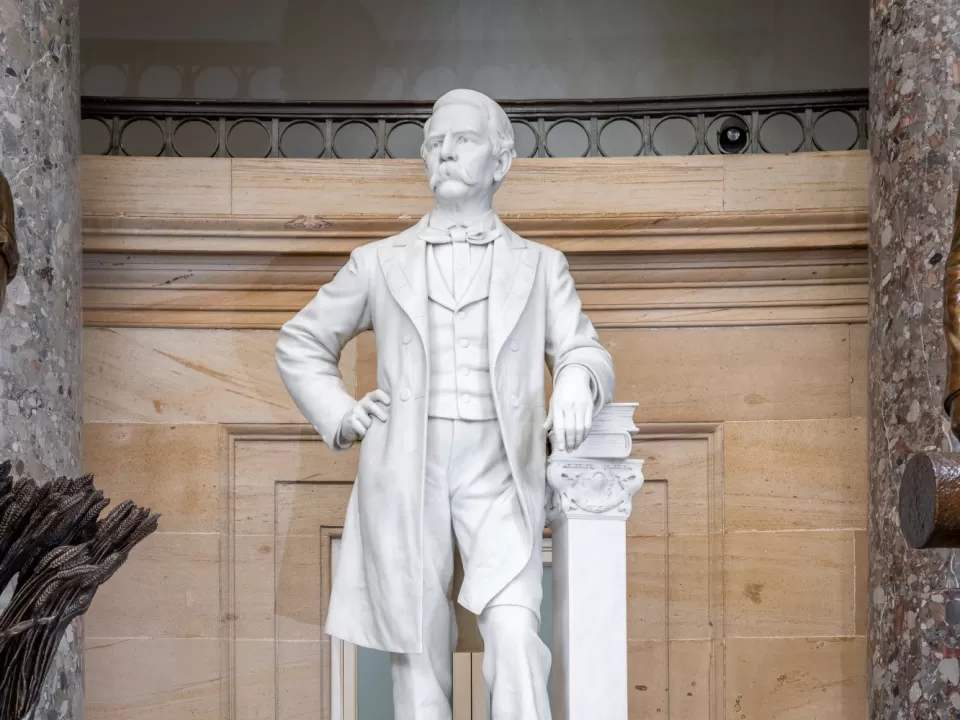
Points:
(504, 161)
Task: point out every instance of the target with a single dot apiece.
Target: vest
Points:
(460, 387)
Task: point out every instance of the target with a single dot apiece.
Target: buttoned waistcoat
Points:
(460, 385)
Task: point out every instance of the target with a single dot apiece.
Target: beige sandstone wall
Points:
(732, 295)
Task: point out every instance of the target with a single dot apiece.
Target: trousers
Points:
(469, 498)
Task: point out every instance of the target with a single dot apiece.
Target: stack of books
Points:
(611, 437)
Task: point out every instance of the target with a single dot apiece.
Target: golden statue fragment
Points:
(930, 486)
(951, 326)
(9, 255)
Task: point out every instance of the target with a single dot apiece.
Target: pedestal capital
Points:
(592, 487)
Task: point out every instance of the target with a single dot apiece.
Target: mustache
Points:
(450, 170)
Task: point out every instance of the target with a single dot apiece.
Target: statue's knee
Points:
(508, 627)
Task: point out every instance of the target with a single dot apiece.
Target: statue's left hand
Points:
(571, 409)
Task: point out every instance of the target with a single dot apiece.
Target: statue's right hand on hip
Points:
(356, 422)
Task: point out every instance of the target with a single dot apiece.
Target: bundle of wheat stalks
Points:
(54, 543)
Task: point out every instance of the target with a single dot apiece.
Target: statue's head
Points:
(467, 147)
(9, 257)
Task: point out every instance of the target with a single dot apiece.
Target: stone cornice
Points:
(575, 234)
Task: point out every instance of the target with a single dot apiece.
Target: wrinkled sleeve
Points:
(570, 336)
(309, 347)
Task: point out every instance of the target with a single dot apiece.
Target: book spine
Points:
(614, 446)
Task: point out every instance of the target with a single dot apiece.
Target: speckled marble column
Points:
(40, 326)
(914, 644)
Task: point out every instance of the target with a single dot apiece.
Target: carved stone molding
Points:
(231, 235)
(637, 290)
(652, 242)
(296, 507)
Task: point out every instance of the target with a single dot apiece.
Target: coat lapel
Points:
(512, 276)
(404, 266)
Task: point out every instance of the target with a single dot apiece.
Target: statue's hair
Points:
(498, 125)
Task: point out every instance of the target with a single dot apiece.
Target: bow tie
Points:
(476, 235)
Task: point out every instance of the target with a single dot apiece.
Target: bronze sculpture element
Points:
(9, 255)
(930, 488)
(951, 326)
(53, 540)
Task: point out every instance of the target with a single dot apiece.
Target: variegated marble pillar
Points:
(914, 596)
(40, 324)
(591, 500)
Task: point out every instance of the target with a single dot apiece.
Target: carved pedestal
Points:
(591, 501)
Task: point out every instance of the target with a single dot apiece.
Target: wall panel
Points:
(825, 461)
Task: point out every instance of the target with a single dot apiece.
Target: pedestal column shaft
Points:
(590, 618)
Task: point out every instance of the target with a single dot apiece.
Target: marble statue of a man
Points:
(464, 312)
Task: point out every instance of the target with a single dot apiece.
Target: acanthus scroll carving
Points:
(592, 487)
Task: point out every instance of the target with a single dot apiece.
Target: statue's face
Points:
(459, 155)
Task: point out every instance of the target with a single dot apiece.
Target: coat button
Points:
(405, 394)
(465, 399)
(515, 400)
(464, 342)
(464, 370)
(462, 314)
(514, 345)
(406, 338)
